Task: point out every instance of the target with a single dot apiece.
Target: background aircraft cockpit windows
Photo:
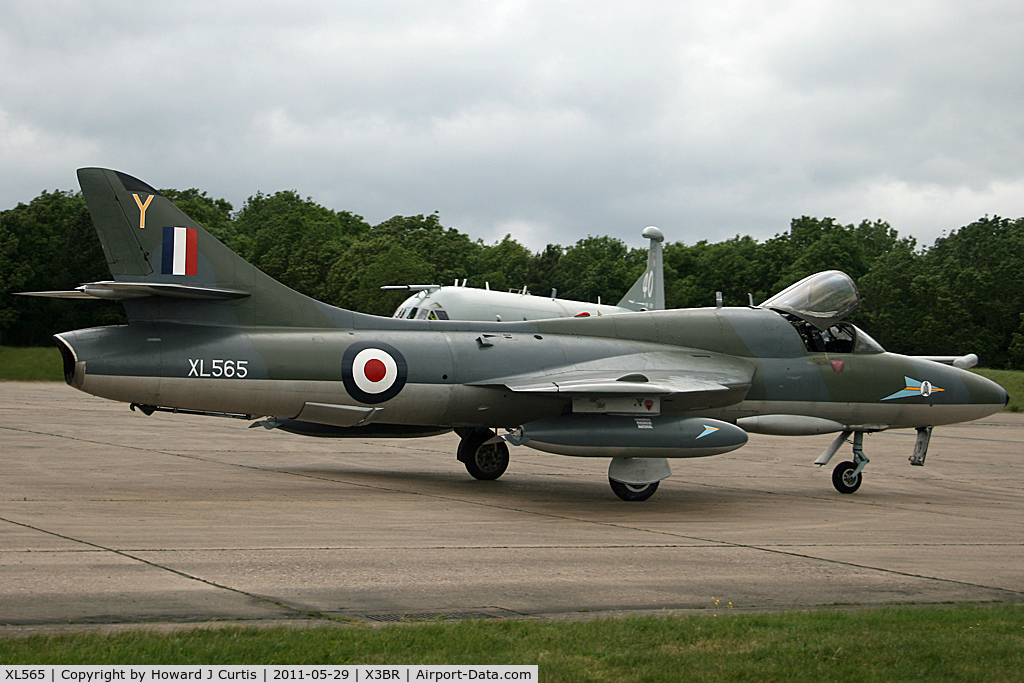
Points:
(429, 314)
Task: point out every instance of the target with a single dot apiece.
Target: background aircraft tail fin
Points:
(168, 267)
(648, 293)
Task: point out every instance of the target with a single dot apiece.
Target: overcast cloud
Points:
(547, 120)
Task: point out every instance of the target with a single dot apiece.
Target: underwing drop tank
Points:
(629, 436)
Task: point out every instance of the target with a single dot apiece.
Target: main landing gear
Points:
(484, 455)
(636, 479)
(631, 479)
(633, 492)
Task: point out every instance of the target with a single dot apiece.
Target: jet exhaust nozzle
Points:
(74, 370)
(629, 436)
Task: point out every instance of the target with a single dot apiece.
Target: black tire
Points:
(633, 492)
(842, 480)
(485, 461)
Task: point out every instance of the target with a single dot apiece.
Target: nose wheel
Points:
(847, 476)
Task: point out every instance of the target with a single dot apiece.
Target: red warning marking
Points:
(374, 370)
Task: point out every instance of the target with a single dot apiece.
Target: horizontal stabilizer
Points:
(118, 291)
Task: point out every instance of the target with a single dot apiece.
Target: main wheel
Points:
(633, 492)
(843, 478)
(483, 460)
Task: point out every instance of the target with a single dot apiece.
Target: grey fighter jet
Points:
(210, 334)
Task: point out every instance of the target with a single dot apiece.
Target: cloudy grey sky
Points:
(547, 120)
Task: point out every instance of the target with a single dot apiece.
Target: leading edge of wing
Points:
(704, 381)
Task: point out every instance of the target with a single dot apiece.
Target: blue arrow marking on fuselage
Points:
(913, 387)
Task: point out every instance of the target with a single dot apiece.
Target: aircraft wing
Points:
(692, 380)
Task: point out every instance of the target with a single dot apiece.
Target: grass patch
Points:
(964, 643)
(1012, 381)
(31, 364)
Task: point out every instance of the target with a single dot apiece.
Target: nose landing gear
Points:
(846, 477)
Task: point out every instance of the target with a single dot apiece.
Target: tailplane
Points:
(168, 267)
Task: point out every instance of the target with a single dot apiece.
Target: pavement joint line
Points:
(896, 572)
(376, 548)
(311, 614)
(523, 511)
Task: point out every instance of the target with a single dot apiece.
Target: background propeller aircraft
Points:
(210, 334)
(458, 302)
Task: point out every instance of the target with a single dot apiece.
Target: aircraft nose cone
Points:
(985, 391)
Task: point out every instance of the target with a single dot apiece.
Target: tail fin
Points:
(167, 267)
(648, 293)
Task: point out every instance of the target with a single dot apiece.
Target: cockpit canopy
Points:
(822, 299)
(816, 306)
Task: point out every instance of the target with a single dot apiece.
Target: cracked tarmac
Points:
(111, 517)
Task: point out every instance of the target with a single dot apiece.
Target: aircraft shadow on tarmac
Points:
(561, 487)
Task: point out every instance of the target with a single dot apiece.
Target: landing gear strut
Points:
(484, 457)
(846, 477)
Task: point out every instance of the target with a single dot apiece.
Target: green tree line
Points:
(963, 294)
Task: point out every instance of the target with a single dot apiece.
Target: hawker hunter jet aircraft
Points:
(459, 302)
(210, 334)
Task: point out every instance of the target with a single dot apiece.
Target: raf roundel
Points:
(373, 372)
